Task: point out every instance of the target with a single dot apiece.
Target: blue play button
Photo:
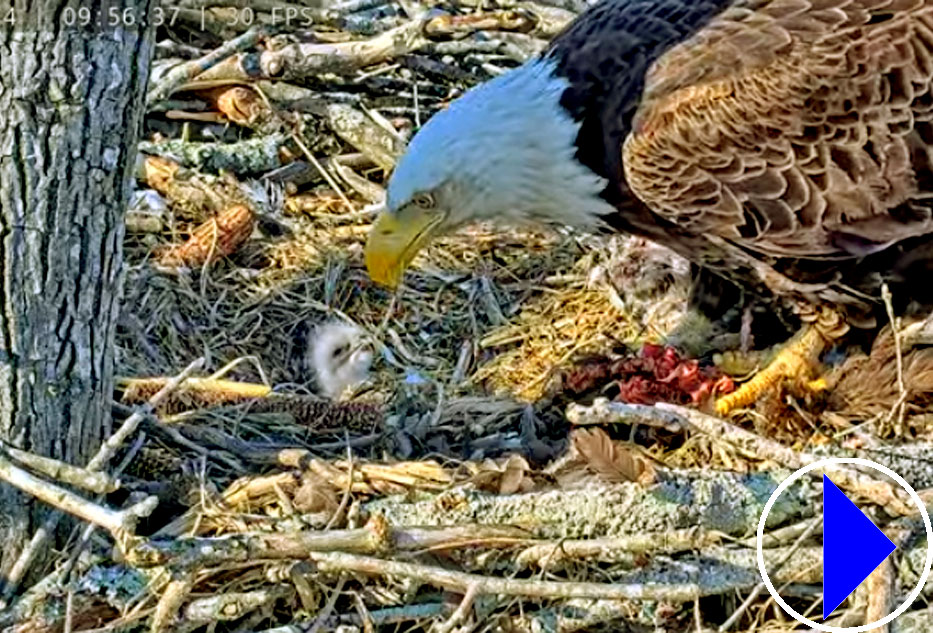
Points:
(852, 547)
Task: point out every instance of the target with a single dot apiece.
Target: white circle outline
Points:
(784, 485)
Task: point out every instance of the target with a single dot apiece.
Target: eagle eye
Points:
(423, 201)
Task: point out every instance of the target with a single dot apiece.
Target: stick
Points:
(104, 454)
(179, 75)
(880, 593)
(461, 612)
(115, 441)
(463, 582)
(229, 606)
(321, 170)
(117, 523)
(347, 492)
(671, 416)
(91, 481)
(899, 407)
(753, 595)
(329, 607)
(878, 491)
(547, 554)
(166, 611)
(300, 60)
(199, 552)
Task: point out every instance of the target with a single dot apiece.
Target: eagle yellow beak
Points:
(394, 241)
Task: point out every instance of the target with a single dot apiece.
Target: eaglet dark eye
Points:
(340, 350)
(423, 201)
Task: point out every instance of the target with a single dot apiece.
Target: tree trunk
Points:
(71, 104)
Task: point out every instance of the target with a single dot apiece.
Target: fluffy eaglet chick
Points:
(784, 147)
(340, 357)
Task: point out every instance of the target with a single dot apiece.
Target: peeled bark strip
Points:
(71, 106)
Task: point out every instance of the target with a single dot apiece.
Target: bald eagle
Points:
(785, 146)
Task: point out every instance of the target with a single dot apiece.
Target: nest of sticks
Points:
(520, 456)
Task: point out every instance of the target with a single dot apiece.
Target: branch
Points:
(180, 74)
(117, 523)
(464, 582)
(671, 416)
(193, 553)
(60, 471)
(104, 454)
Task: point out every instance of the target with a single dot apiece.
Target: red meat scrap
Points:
(658, 373)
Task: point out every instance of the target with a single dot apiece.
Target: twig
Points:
(462, 581)
(329, 607)
(115, 441)
(179, 75)
(69, 612)
(461, 612)
(104, 454)
(326, 174)
(363, 613)
(753, 595)
(369, 190)
(900, 406)
(348, 491)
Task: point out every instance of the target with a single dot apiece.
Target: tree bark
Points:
(72, 101)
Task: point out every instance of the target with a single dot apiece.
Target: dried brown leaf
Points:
(241, 105)
(504, 476)
(610, 460)
(514, 477)
(315, 494)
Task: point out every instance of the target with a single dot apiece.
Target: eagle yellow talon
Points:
(818, 385)
(794, 359)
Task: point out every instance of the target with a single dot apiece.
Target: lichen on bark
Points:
(725, 502)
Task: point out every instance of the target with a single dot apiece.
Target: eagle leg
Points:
(794, 360)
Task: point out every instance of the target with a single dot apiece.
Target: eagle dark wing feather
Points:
(604, 56)
(794, 133)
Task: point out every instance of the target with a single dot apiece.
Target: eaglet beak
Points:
(394, 241)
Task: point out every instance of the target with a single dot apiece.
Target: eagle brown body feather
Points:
(786, 145)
